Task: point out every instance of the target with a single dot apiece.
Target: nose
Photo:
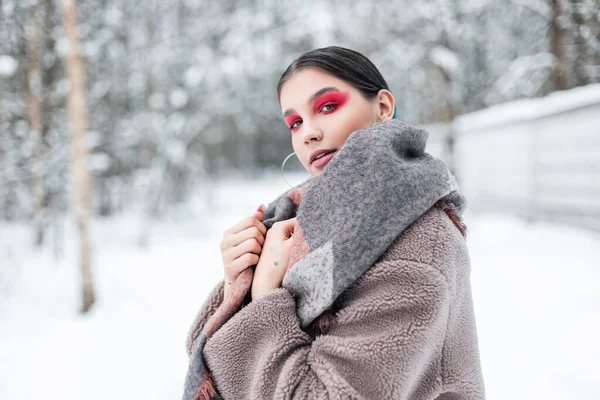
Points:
(313, 133)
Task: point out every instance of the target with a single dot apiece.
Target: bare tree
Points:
(586, 35)
(558, 45)
(34, 88)
(77, 111)
(181, 60)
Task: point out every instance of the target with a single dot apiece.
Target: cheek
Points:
(301, 152)
(350, 120)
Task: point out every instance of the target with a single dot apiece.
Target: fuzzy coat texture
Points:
(374, 190)
(404, 330)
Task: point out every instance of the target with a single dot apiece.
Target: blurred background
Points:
(133, 133)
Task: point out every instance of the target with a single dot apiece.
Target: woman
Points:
(404, 327)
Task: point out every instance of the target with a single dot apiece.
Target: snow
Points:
(93, 139)
(176, 151)
(524, 77)
(529, 109)
(536, 292)
(157, 101)
(113, 16)
(535, 287)
(446, 59)
(547, 159)
(204, 55)
(193, 76)
(99, 162)
(8, 66)
(62, 46)
(91, 49)
(178, 98)
(229, 65)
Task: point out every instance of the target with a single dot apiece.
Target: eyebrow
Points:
(312, 98)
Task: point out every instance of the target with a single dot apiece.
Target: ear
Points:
(385, 102)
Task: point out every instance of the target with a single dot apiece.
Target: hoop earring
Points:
(283, 164)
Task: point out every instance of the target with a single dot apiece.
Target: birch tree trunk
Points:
(77, 111)
(34, 88)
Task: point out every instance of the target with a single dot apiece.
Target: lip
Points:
(321, 162)
(320, 151)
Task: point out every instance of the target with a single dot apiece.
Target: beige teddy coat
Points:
(404, 330)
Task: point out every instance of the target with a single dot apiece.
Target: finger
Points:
(230, 241)
(289, 227)
(234, 268)
(248, 233)
(246, 223)
(259, 214)
(281, 230)
(240, 226)
(249, 246)
(243, 262)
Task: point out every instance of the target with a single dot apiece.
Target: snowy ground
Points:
(536, 290)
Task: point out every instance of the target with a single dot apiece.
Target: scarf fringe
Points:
(207, 390)
(451, 211)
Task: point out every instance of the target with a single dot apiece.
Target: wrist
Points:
(226, 287)
(261, 292)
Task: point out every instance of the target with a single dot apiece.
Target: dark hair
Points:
(346, 64)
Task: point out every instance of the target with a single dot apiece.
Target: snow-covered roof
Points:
(529, 109)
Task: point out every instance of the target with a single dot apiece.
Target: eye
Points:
(294, 124)
(331, 105)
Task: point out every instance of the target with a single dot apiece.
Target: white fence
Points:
(537, 158)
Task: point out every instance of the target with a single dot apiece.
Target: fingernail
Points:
(261, 208)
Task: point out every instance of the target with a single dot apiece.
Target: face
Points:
(321, 111)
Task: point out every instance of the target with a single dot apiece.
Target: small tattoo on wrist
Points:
(276, 263)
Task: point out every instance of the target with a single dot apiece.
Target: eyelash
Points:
(323, 106)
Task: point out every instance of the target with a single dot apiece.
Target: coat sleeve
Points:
(212, 302)
(386, 343)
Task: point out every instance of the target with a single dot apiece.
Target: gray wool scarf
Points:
(378, 183)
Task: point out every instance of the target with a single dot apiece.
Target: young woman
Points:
(405, 329)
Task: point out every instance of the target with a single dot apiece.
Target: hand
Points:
(274, 259)
(241, 246)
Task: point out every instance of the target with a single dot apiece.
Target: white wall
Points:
(537, 158)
